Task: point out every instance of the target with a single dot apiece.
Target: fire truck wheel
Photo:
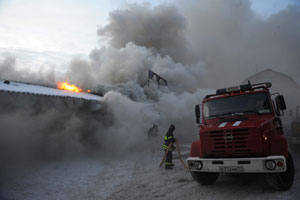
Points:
(282, 181)
(205, 178)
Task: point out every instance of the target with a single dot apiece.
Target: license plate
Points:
(231, 169)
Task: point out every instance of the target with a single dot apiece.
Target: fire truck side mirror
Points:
(298, 112)
(197, 113)
(280, 102)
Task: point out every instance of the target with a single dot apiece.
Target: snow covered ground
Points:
(135, 176)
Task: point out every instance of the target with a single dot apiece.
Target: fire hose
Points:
(179, 155)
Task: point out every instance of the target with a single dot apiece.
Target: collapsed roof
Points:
(16, 87)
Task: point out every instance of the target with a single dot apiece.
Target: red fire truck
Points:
(241, 132)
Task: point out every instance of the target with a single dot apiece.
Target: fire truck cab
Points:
(241, 132)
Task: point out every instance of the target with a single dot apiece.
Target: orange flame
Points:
(66, 86)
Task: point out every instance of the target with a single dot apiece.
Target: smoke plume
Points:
(234, 42)
(161, 28)
(10, 71)
(227, 37)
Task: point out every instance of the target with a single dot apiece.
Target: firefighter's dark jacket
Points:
(169, 138)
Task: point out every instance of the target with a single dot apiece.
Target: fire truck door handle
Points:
(279, 124)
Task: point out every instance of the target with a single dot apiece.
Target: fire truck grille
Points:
(233, 140)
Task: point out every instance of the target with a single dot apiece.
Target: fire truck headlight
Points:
(198, 165)
(270, 164)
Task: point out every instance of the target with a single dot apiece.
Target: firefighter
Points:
(153, 131)
(169, 138)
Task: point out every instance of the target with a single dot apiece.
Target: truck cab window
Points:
(258, 103)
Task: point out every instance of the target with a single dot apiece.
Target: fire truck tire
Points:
(282, 181)
(205, 178)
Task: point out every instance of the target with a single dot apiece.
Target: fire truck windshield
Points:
(257, 103)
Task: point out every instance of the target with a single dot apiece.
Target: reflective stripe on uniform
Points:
(168, 138)
(167, 163)
(165, 147)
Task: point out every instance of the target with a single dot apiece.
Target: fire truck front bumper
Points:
(270, 164)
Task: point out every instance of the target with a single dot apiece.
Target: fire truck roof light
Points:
(221, 91)
(244, 87)
(268, 84)
(233, 89)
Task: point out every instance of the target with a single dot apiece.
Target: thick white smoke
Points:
(10, 71)
(227, 37)
(131, 122)
(234, 42)
(111, 66)
(161, 28)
